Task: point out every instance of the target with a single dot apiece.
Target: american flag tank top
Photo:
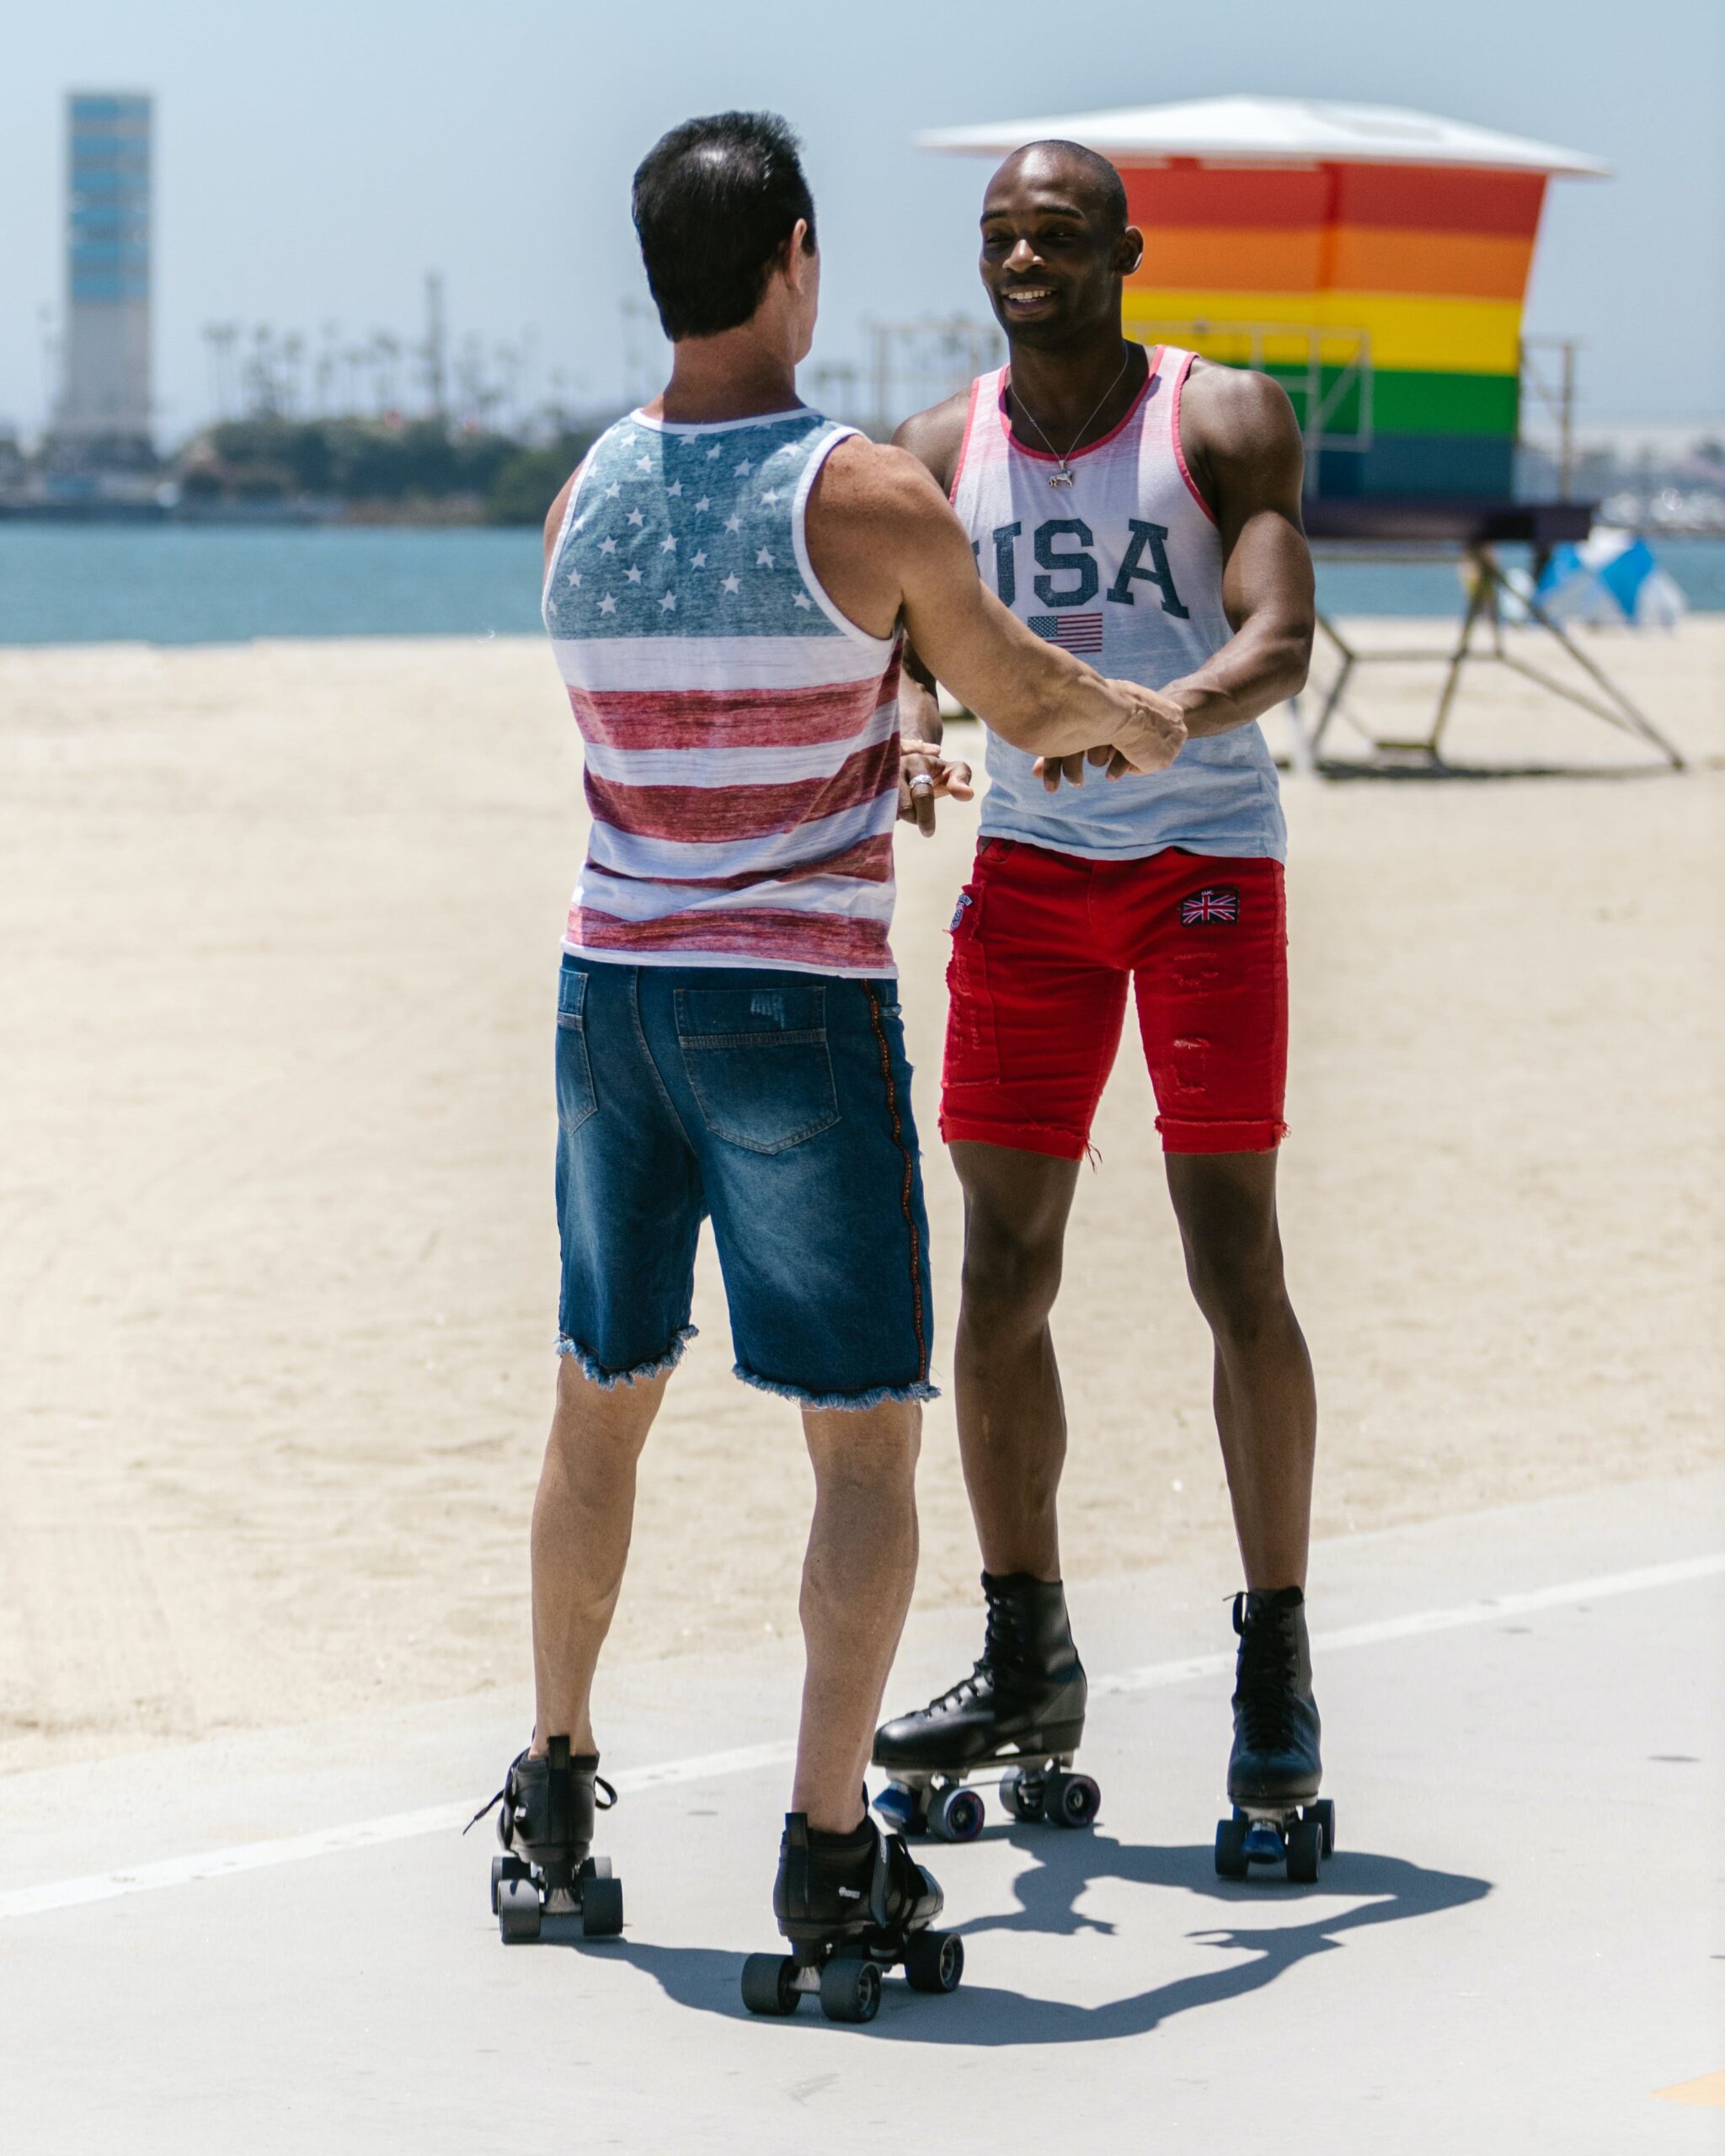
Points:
(741, 735)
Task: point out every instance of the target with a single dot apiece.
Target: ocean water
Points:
(176, 583)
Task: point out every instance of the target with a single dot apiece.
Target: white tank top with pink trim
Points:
(1122, 566)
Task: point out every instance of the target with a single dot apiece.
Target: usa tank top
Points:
(741, 734)
(1122, 566)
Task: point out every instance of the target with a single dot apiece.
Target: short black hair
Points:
(1107, 186)
(714, 201)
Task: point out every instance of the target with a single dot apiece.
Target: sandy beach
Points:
(277, 1254)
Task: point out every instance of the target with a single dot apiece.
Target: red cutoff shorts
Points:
(1043, 945)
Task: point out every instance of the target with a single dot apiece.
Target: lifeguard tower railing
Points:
(1326, 370)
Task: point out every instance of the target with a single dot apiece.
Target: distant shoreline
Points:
(185, 582)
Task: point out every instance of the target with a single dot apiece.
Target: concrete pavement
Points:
(279, 1942)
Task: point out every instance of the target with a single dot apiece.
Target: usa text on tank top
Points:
(1124, 567)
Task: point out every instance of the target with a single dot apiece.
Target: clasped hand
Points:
(1154, 735)
(925, 776)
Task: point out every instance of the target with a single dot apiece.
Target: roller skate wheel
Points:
(902, 1809)
(850, 1988)
(1305, 1850)
(1070, 1801)
(957, 1815)
(934, 1961)
(517, 1911)
(601, 1908)
(1230, 1850)
(1021, 1792)
(769, 1983)
(1325, 1814)
(502, 1868)
(595, 1867)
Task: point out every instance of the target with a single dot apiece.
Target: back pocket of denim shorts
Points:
(576, 1097)
(758, 1062)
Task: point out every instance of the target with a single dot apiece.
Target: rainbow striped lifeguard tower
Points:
(1376, 262)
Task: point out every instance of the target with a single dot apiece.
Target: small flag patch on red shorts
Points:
(1217, 903)
(1070, 631)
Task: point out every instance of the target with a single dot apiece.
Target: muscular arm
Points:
(886, 546)
(1241, 441)
(934, 438)
(554, 516)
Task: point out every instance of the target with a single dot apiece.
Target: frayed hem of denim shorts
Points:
(876, 1397)
(608, 1380)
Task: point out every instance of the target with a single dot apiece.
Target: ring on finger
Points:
(922, 783)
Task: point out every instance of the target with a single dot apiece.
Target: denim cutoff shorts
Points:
(778, 1105)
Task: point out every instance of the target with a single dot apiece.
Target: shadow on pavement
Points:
(1395, 1891)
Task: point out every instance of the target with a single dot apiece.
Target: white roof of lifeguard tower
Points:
(1274, 131)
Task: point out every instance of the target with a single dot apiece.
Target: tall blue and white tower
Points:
(105, 387)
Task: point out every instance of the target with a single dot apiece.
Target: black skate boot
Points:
(1022, 1708)
(545, 1884)
(1275, 1769)
(851, 1906)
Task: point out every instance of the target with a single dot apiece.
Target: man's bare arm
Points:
(558, 510)
(1243, 445)
(934, 438)
(886, 546)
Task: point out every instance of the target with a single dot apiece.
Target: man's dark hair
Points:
(1108, 189)
(714, 201)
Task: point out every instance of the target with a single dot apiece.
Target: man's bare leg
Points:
(856, 1582)
(582, 1519)
(1266, 1403)
(1012, 1418)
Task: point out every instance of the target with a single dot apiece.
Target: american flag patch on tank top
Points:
(1079, 632)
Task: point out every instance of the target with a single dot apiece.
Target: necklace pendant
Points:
(1063, 477)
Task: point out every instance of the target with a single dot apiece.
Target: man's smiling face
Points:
(1052, 257)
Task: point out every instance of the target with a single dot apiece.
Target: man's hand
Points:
(925, 777)
(1154, 735)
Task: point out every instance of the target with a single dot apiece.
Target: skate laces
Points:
(604, 1795)
(1263, 1686)
(1003, 1640)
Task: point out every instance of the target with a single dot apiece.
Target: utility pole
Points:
(435, 349)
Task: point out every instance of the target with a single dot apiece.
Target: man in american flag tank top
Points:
(726, 576)
(1142, 507)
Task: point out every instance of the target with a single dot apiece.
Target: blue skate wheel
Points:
(769, 1983)
(1231, 1862)
(934, 1961)
(902, 1808)
(850, 1988)
(957, 1815)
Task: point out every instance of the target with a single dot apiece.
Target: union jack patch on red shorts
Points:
(1217, 903)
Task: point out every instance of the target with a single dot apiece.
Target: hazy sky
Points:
(315, 159)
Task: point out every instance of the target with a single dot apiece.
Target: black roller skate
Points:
(1021, 1709)
(1275, 1769)
(853, 1907)
(545, 1884)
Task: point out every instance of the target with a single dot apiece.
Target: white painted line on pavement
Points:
(1421, 1621)
(444, 1818)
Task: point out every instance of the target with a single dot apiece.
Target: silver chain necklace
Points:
(1065, 475)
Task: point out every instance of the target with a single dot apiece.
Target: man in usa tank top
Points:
(1142, 507)
(726, 576)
